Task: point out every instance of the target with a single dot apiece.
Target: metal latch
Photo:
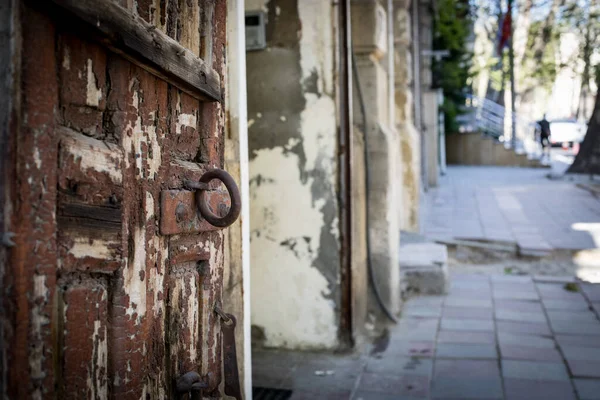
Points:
(190, 383)
(189, 211)
(230, 367)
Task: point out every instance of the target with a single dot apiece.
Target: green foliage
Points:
(453, 27)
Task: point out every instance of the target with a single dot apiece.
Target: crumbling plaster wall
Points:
(370, 30)
(405, 118)
(295, 260)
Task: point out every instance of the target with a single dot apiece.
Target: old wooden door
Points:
(112, 276)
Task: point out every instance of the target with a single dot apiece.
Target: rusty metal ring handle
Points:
(234, 195)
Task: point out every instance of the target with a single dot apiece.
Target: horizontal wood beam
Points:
(146, 46)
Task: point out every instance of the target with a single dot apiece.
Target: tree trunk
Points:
(588, 158)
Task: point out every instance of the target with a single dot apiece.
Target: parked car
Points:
(566, 131)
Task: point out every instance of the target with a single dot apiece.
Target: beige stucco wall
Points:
(293, 177)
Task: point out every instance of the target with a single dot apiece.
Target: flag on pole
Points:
(505, 26)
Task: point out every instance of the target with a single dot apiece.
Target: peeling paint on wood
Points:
(95, 282)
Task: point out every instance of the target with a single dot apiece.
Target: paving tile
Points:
(304, 378)
(543, 371)
(572, 316)
(514, 287)
(512, 352)
(511, 278)
(422, 312)
(519, 305)
(578, 328)
(397, 348)
(400, 365)
(365, 395)
(465, 337)
(527, 389)
(554, 279)
(523, 327)
(462, 350)
(517, 339)
(471, 325)
(581, 353)
(520, 316)
(515, 295)
(584, 369)
(427, 301)
(468, 312)
(411, 385)
(466, 388)
(466, 302)
(587, 389)
(315, 394)
(578, 340)
(416, 328)
(466, 368)
(557, 292)
(466, 277)
(576, 305)
(592, 291)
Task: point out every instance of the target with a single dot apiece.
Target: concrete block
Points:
(424, 267)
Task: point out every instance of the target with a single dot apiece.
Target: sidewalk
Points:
(512, 205)
(492, 337)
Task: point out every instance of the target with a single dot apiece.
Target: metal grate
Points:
(261, 393)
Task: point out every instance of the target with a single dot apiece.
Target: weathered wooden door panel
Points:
(103, 301)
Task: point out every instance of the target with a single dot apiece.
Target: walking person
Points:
(545, 136)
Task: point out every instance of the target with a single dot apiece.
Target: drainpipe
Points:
(417, 88)
(345, 176)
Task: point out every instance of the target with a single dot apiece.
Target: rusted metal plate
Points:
(179, 212)
(188, 248)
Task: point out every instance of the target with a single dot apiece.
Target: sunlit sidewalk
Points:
(492, 337)
(512, 205)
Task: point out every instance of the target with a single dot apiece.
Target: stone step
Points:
(424, 268)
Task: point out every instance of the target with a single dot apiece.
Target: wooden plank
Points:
(143, 44)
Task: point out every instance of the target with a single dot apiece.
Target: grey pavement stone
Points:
(422, 312)
(554, 279)
(578, 328)
(425, 301)
(468, 351)
(424, 267)
(465, 337)
(466, 388)
(316, 394)
(511, 279)
(587, 389)
(416, 329)
(468, 312)
(584, 369)
(578, 340)
(541, 371)
(466, 368)
(540, 329)
(553, 304)
(581, 353)
(471, 325)
(592, 291)
(365, 395)
(411, 385)
(515, 295)
(452, 301)
(513, 352)
(519, 305)
(516, 339)
(409, 348)
(527, 389)
(400, 365)
(514, 286)
(572, 316)
(519, 316)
